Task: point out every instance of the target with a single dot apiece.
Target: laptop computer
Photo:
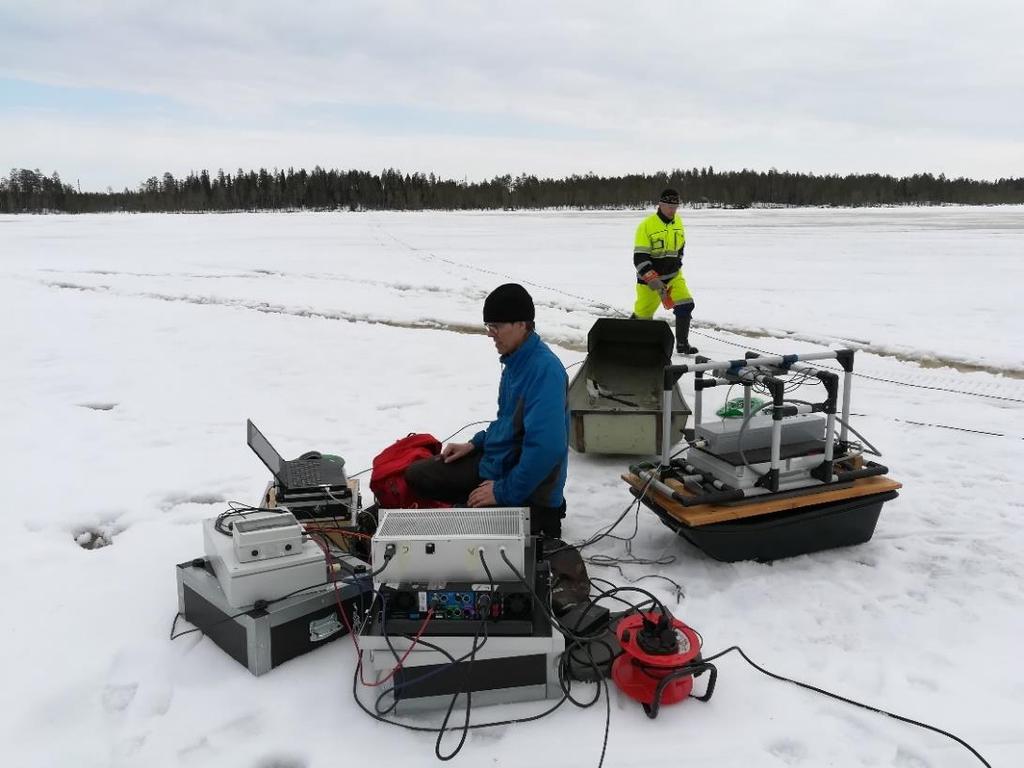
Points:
(298, 474)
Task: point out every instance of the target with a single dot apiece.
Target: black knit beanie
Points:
(669, 196)
(508, 303)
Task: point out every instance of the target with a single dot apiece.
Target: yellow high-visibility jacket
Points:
(659, 246)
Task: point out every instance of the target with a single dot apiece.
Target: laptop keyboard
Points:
(302, 474)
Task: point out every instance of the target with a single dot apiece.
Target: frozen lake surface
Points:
(136, 346)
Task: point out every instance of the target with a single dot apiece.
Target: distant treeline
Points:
(31, 191)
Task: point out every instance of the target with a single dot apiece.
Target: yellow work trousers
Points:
(648, 300)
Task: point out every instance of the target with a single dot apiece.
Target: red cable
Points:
(398, 666)
(352, 634)
(335, 529)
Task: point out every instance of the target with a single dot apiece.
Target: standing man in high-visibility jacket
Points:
(658, 257)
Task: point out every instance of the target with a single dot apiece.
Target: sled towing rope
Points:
(660, 657)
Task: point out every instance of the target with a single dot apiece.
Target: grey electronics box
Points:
(504, 669)
(435, 545)
(261, 639)
(337, 506)
(245, 583)
(722, 435)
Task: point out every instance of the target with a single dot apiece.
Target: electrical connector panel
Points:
(270, 535)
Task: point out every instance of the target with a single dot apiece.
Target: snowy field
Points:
(136, 346)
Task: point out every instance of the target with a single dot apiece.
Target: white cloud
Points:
(822, 86)
(100, 154)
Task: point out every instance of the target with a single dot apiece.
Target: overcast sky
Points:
(110, 93)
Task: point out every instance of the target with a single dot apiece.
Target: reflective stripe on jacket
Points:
(659, 246)
(526, 448)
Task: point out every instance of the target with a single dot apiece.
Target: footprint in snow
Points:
(281, 761)
(788, 751)
(906, 758)
(139, 682)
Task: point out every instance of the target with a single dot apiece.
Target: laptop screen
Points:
(264, 450)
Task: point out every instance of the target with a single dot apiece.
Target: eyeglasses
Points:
(494, 327)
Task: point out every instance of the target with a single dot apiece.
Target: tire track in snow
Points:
(575, 343)
(477, 294)
(924, 359)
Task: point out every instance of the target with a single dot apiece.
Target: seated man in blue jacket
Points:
(521, 458)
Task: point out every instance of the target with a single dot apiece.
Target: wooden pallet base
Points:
(705, 514)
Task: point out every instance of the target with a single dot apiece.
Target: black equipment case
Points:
(262, 638)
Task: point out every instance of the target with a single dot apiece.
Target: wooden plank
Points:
(705, 514)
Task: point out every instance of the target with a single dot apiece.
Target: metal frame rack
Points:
(766, 371)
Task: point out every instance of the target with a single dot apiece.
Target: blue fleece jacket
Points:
(526, 448)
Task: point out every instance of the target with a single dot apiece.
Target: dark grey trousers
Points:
(433, 479)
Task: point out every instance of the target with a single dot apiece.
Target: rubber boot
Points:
(683, 336)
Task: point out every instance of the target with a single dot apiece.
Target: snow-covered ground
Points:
(134, 348)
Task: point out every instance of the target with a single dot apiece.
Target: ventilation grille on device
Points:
(439, 523)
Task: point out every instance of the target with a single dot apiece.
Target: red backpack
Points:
(387, 481)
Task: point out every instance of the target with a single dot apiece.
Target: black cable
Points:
(631, 559)
(417, 640)
(656, 603)
(258, 605)
(607, 534)
(388, 554)
(483, 562)
(755, 411)
(469, 702)
(707, 335)
(453, 662)
(437, 670)
(554, 621)
(958, 429)
(565, 683)
(427, 729)
(471, 424)
(612, 655)
(938, 389)
(242, 509)
(940, 426)
(419, 678)
(453, 434)
(596, 537)
(179, 615)
(544, 608)
(836, 696)
(613, 562)
(352, 504)
(469, 674)
(871, 449)
(680, 593)
(659, 690)
(507, 277)
(866, 376)
(687, 445)
(593, 582)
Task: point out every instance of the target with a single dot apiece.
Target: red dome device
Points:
(660, 657)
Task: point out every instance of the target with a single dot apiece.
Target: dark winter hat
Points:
(669, 196)
(508, 303)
